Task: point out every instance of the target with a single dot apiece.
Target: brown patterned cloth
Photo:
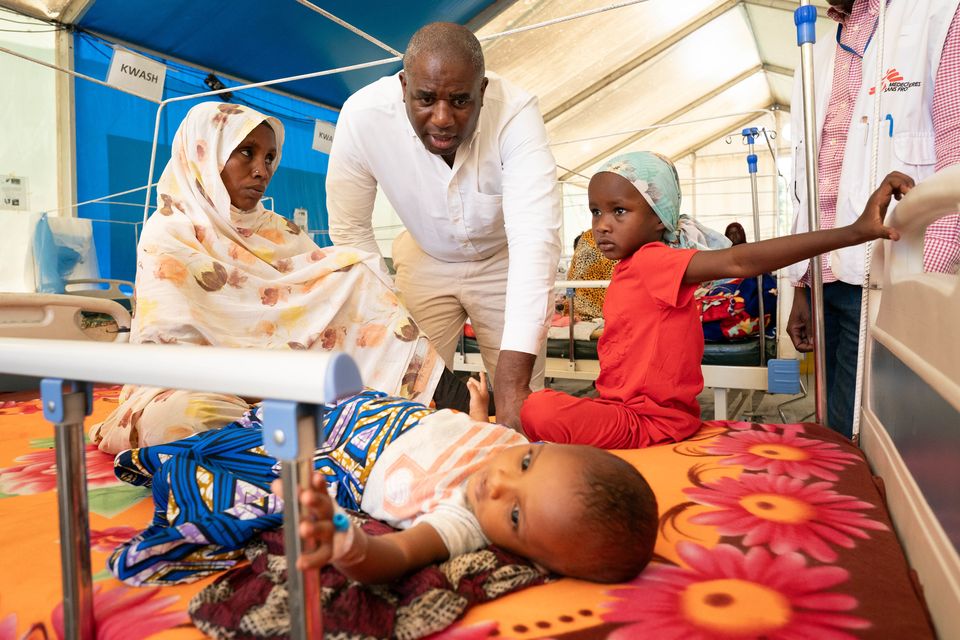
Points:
(251, 601)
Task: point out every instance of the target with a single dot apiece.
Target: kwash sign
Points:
(137, 74)
(323, 136)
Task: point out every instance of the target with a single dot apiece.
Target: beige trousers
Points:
(442, 295)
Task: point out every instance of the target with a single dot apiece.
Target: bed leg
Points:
(65, 404)
(719, 403)
(290, 435)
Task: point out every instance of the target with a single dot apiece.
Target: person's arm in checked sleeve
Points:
(941, 252)
(531, 214)
(351, 189)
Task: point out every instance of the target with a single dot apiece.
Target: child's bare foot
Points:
(479, 398)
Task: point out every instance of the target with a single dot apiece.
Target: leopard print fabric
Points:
(588, 264)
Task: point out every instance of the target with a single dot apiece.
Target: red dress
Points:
(650, 354)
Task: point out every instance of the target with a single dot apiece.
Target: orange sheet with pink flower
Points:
(766, 531)
(30, 591)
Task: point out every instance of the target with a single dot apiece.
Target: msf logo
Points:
(893, 82)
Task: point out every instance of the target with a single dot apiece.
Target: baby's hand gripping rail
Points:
(297, 384)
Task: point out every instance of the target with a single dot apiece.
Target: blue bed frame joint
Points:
(280, 435)
(52, 392)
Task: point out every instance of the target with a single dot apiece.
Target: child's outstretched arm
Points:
(479, 398)
(367, 559)
(752, 259)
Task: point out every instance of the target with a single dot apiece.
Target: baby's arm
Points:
(393, 555)
(754, 258)
(479, 398)
(369, 559)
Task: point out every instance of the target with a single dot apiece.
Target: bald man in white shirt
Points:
(477, 191)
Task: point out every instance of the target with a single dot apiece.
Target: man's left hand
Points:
(512, 386)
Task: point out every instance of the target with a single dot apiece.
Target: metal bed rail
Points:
(296, 384)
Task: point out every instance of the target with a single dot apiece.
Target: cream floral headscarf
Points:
(210, 274)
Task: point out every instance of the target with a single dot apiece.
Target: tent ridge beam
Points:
(642, 59)
(669, 118)
(777, 70)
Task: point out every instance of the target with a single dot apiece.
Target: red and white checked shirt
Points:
(942, 244)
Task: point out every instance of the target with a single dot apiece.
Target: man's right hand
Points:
(799, 326)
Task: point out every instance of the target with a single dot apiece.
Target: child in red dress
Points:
(652, 344)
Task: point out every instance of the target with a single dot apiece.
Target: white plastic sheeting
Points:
(652, 63)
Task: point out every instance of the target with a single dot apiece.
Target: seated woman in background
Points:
(735, 233)
(588, 264)
(216, 268)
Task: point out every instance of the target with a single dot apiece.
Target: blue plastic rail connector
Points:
(752, 163)
(751, 134)
(805, 18)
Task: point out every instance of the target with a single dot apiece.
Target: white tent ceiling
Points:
(630, 77)
(602, 77)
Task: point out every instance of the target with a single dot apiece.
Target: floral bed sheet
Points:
(30, 590)
(766, 531)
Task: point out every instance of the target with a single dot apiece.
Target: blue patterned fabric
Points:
(211, 491)
(730, 308)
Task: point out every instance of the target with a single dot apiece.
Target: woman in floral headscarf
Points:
(216, 268)
(652, 342)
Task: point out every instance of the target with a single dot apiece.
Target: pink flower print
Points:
(784, 513)
(128, 614)
(14, 408)
(479, 631)
(110, 538)
(8, 627)
(788, 453)
(734, 595)
(38, 473)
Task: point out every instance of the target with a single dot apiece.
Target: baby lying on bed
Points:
(455, 484)
(652, 343)
(450, 483)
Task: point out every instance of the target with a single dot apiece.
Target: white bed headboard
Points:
(910, 427)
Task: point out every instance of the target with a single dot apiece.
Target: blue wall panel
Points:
(114, 136)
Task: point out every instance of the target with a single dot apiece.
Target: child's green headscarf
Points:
(656, 179)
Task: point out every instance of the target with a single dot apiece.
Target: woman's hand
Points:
(869, 226)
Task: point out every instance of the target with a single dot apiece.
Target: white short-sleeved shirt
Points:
(422, 477)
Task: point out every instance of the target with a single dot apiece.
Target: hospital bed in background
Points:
(59, 317)
(733, 370)
(775, 530)
(44, 253)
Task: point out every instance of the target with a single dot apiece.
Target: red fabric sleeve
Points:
(661, 271)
